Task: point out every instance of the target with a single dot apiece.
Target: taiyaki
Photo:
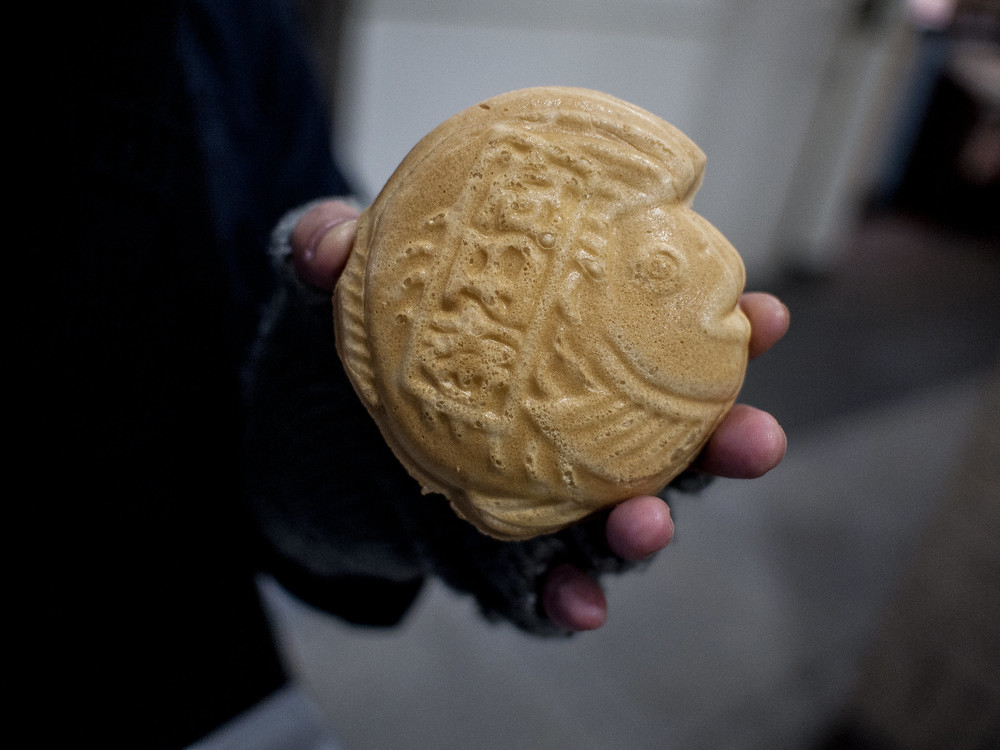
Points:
(534, 315)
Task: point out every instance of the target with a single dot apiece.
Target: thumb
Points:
(321, 242)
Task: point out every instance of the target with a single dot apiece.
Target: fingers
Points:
(746, 445)
(769, 320)
(636, 529)
(750, 442)
(321, 242)
(572, 600)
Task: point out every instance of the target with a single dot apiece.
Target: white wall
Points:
(743, 78)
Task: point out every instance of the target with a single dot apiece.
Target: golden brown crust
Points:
(536, 319)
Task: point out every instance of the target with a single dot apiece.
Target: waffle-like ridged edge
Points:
(349, 319)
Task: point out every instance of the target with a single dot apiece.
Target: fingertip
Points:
(769, 320)
(639, 527)
(322, 241)
(321, 262)
(769, 445)
(572, 600)
(747, 444)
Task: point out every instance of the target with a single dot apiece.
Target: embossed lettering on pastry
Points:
(534, 315)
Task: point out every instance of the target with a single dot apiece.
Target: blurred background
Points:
(849, 599)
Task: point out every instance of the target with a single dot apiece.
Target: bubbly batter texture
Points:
(535, 317)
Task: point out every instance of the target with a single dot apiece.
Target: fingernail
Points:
(320, 234)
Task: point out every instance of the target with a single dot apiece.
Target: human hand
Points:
(747, 444)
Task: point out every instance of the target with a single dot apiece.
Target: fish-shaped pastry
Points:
(535, 317)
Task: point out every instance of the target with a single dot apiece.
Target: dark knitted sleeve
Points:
(346, 528)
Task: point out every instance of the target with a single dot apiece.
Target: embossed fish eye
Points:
(658, 267)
